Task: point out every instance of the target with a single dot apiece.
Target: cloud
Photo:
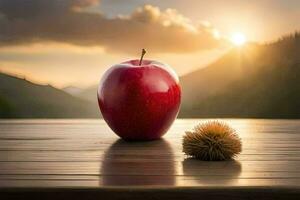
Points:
(26, 9)
(69, 21)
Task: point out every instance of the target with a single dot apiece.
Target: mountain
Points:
(259, 81)
(72, 90)
(89, 94)
(207, 81)
(20, 98)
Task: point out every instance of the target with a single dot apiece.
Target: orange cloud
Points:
(66, 21)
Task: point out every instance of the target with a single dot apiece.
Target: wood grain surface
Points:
(84, 157)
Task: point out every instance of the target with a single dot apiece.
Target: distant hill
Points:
(72, 90)
(20, 98)
(89, 94)
(259, 81)
(207, 81)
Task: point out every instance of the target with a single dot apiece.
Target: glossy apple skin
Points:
(139, 102)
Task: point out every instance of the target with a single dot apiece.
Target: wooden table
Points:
(83, 159)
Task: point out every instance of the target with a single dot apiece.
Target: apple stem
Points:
(142, 56)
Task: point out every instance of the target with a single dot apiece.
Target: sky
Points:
(72, 42)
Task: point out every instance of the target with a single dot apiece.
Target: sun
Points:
(238, 39)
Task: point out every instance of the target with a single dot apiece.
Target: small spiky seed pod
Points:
(212, 141)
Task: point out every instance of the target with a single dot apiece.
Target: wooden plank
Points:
(144, 181)
(148, 168)
(96, 156)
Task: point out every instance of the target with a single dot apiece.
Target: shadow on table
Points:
(138, 163)
(212, 172)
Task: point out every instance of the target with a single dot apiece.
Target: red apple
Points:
(139, 99)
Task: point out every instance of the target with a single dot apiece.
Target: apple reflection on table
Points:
(138, 163)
